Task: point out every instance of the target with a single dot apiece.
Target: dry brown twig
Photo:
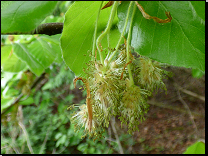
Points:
(116, 135)
(173, 108)
(145, 15)
(189, 111)
(27, 137)
(190, 93)
(156, 19)
(107, 5)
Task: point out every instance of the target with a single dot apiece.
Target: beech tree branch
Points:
(46, 28)
(37, 80)
(158, 104)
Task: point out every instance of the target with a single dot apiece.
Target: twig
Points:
(25, 97)
(61, 150)
(189, 111)
(54, 151)
(44, 142)
(173, 108)
(10, 146)
(13, 135)
(191, 93)
(40, 85)
(109, 132)
(37, 80)
(20, 118)
(110, 139)
(20, 122)
(46, 28)
(116, 135)
(26, 135)
(15, 149)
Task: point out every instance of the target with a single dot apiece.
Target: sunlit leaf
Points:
(24, 16)
(77, 35)
(25, 55)
(55, 43)
(180, 42)
(6, 102)
(10, 62)
(196, 148)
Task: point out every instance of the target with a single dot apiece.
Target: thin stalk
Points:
(108, 40)
(122, 34)
(107, 29)
(128, 48)
(95, 32)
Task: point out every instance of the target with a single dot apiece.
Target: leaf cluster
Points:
(45, 121)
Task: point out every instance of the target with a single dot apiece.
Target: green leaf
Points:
(55, 43)
(24, 16)
(42, 51)
(6, 51)
(83, 147)
(6, 102)
(39, 54)
(180, 42)
(27, 101)
(5, 78)
(58, 135)
(61, 140)
(199, 7)
(196, 148)
(9, 92)
(10, 62)
(78, 31)
(25, 55)
(37, 98)
(196, 73)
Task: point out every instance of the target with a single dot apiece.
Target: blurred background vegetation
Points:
(39, 121)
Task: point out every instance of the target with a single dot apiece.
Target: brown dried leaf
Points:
(156, 19)
(108, 5)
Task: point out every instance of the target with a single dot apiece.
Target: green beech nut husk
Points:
(113, 94)
(105, 86)
(148, 73)
(80, 119)
(133, 106)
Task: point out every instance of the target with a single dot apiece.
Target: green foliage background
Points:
(180, 43)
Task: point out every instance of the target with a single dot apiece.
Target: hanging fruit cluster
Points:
(110, 92)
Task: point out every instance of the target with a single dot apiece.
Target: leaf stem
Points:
(128, 48)
(107, 29)
(108, 40)
(122, 34)
(95, 32)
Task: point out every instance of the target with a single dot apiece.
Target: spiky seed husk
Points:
(113, 95)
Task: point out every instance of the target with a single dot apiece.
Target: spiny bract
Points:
(113, 94)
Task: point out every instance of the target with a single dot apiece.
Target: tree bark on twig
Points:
(46, 28)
